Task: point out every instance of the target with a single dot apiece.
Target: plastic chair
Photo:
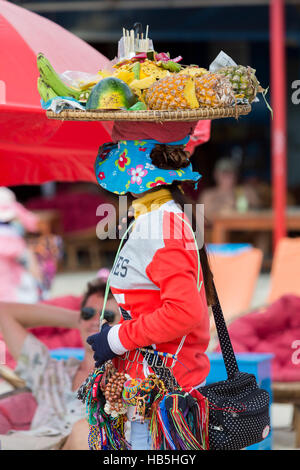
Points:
(235, 276)
(285, 272)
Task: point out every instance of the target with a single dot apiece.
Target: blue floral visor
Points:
(127, 167)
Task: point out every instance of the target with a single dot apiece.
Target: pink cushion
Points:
(244, 333)
(272, 331)
(16, 411)
(5, 424)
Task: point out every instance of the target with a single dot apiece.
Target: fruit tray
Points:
(152, 115)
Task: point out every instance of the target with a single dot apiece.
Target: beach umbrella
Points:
(34, 149)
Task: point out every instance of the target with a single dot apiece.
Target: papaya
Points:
(111, 93)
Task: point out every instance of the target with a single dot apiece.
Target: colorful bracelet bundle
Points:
(177, 420)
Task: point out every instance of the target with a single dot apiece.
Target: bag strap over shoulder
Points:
(222, 331)
(224, 339)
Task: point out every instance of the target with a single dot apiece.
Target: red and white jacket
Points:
(155, 281)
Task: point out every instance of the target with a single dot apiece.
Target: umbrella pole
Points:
(278, 126)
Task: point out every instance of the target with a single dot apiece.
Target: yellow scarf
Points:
(151, 201)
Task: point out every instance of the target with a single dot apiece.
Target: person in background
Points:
(45, 252)
(59, 421)
(264, 191)
(227, 195)
(17, 282)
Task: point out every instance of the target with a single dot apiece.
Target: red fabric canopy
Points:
(34, 149)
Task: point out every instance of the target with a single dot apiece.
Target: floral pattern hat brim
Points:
(127, 167)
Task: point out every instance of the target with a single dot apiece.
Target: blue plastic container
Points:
(228, 249)
(66, 353)
(256, 364)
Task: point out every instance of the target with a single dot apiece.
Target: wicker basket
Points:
(151, 115)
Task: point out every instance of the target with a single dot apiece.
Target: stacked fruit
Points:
(144, 69)
(153, 81)
(210, 89)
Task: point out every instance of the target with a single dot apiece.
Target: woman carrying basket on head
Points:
(157, 352)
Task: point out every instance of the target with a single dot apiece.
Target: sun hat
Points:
(11, 209)
(127, 167)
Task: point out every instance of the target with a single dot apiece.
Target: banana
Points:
(53, 80)
(45, 91)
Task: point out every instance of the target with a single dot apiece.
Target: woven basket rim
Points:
(151, 115)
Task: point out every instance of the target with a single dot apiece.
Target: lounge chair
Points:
(235, 275)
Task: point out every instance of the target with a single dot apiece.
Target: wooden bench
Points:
(289, 392)
(88, 242)
(252, 220)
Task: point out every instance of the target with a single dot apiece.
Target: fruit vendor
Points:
(162, 291)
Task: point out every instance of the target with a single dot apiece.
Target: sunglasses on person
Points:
(89, 312)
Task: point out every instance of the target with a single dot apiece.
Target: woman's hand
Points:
(100, 345)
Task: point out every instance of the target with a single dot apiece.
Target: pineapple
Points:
(175, 91)
(243, 80)
(214, 90)
(193, 71)
(143, 83)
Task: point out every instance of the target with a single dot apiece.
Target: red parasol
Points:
(34, 149)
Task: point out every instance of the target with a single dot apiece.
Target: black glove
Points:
(99, 343)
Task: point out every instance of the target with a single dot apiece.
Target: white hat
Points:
(7, 205)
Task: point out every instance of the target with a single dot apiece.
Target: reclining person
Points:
(59, 421)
